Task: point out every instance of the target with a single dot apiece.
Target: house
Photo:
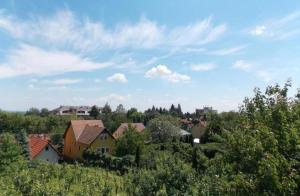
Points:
(41, 148)
(73, 110)
(86, 134)
(199, 129)
(205, 111)
(124, 126)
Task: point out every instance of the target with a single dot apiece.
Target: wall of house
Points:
(70, 145)
(48, 154)
(198, 131)
(104, 142)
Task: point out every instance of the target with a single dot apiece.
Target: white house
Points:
(41, 148)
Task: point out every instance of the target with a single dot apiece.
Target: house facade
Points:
(86, 134)
(199, 129)
(41, 148)
(73, 110)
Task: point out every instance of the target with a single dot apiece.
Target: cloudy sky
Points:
(144, 53)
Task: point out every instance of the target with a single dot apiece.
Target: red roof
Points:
(37, 143)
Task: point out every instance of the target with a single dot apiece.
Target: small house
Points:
(42, 149)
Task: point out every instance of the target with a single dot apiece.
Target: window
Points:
(103, 136)
(78, 147)
(107, 149)
(47, 148)
(103, 150)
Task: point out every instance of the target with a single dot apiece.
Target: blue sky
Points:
(144, 53)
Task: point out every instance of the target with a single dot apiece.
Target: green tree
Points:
(95, 112)
(129, 142)
(120, 109)
(162, 130)
(44, 112)
(33, 111)
(10, 150)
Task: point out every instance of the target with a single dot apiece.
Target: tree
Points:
(23, 141)
(106, 109)
(44, 112)
(95, 112)
(33, 111)
(120, 109)
(10, 150)
(179, 111)
(162, 130)
(129, 142)
(138, 156)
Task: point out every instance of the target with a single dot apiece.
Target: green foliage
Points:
(129, 142)
(10, 151)
(96, 158)
(162, 129)
(39, 178)
(95, 112)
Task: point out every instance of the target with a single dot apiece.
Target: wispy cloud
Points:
(242, 65)
(279, 28)
(203, 66)
(265, 75)
(117, 77)
(162, 71)
(64, 29)
(228, 51)
(65, 81)
(30, 60)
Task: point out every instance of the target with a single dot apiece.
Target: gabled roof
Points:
(37, 143)
(79, 125)
(86, 131)
(89, 134)
(124, 126)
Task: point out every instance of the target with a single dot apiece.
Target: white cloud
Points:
(242, 65)
(33, 80)
(65, 81)
(266, 76)
(201, 32)
(30, 60)
(279, 28)
(31, 86)
(114, 97)
(203, 66)
(258, 30)
(162, 71)
(117, 77)
(97, 80)
(64, 29)
(228, 51)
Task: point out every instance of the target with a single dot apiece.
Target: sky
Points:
(144, 53)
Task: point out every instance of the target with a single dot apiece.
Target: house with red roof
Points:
(41, 148)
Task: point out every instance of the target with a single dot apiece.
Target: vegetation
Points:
(255, 151)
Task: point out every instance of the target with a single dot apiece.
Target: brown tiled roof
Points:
(79, 125)
(37, 143)
(122, 128)
(89, 134)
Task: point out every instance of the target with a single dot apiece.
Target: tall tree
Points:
(120, 109)
(106, 109)
(95, 112)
